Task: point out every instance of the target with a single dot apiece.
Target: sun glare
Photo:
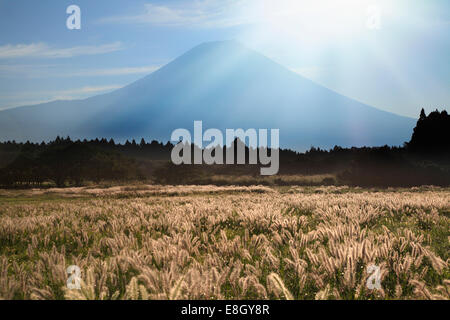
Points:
(319, 19)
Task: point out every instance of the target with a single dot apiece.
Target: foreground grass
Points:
(205, 242)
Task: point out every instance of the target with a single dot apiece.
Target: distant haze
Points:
(225, 85)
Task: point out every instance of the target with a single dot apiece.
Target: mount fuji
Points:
(224, 84)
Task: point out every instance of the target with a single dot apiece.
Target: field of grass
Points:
(277, 180)
(207, 242)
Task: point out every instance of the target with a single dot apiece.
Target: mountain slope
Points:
(225, 85)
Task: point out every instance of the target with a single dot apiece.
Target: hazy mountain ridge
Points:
(225, 85)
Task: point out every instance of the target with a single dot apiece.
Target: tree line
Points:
(65, 162)
(425, 159)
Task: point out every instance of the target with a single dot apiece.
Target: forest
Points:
(424, 160)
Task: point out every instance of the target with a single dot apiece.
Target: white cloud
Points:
(228, 13)
(21, 103)
(113, 71)
(55, 71)
(305, 15)
(42, 50)
(9, 100)
(202, 13)
(87, 90)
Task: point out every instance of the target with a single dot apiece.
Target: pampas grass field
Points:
(207, 242)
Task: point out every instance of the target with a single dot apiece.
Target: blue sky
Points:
(391, 54)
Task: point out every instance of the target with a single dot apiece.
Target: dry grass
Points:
(276, 180)
(204, 242)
